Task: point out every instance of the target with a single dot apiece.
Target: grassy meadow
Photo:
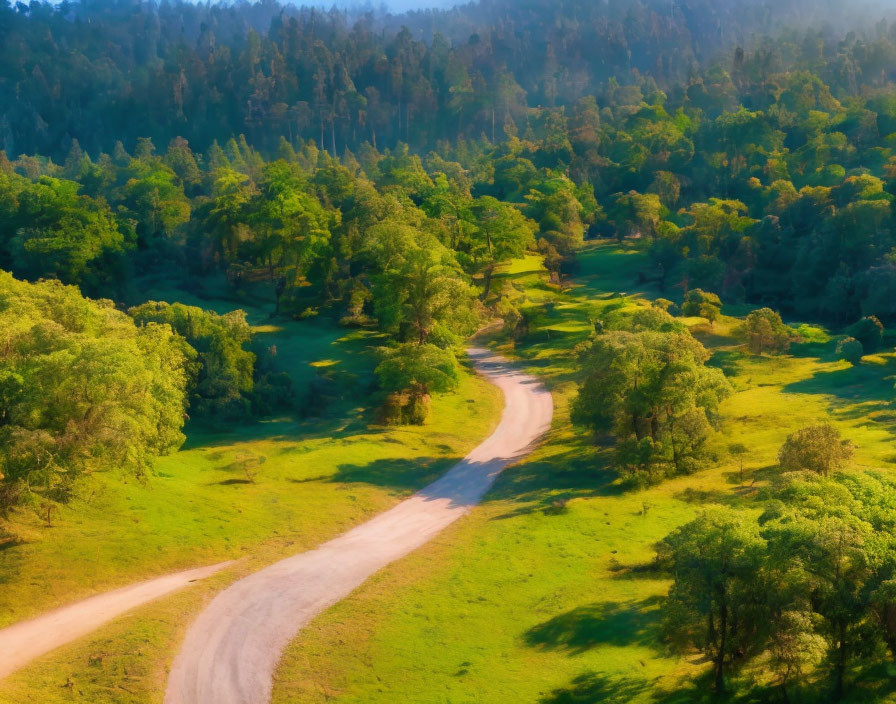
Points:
(547, 593)
(253, 493)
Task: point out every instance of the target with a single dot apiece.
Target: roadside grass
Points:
(255, 492)
(547, 592)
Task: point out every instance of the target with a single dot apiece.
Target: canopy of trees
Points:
(651, 389)
(82, 389)
(224, 379)
(806, 588)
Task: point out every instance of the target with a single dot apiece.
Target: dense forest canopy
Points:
(379, 173)
(117, 70)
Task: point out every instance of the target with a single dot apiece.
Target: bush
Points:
(818, 449)
(411, 372)
(764, 331)
(851, 350)
(869, 331)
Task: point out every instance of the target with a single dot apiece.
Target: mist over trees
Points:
(73, 71)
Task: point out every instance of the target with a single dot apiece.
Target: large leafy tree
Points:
(48, 230)
(425, 296)
(502, 233)
(225, 377)
(292, 228)
(82, 389)
(417, 371)
(652, 390)
(716, 601)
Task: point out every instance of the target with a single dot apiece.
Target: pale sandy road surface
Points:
(232, 649)
(23, 642)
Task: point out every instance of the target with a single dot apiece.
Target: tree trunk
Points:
(723, 645)
(840, 666)
(488, 282)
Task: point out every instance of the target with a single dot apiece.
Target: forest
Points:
(216, 217)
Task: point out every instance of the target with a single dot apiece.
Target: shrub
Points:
(851, 350)
(764, 331)
(869, 331)
(818, 449)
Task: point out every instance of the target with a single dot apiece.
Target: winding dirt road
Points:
(231, 650)
(23, 642)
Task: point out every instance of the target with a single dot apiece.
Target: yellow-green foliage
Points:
(260, 492)
(82, 389)
(547, 592)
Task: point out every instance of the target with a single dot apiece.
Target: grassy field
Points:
(254, 492)
(547, 592)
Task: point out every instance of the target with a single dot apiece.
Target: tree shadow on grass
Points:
(618, 624)
(592, 687)
(543, 485)
(867, 382)
(396, 474)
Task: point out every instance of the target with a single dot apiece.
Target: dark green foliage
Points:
(224, 381)
(868, 331)
(851, 350)
(653, 392)
(409, 373)
(47, 230)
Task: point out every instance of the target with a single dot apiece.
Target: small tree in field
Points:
(738, 451)
(851, 350)
(702, 304)
(411, 373)
(764, 331)
(818, 448)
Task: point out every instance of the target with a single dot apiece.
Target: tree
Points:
(154, 196)
(701, 304)
(714, 223)
(293, 228)
(555, 206)
(851, 350)
(739, 450)
(224, 381)
(55, 233)
(821, 550)
(416, 371)
(715, 601)
(818, 448)
(82, 389)
(636, 213)
(764, 331)
(502, 233)
(423, 295)
(654, 392)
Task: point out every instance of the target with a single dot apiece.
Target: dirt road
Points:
(232, 649)
(23, 642)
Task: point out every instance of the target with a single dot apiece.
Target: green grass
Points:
(546, 592)
(316, 477)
